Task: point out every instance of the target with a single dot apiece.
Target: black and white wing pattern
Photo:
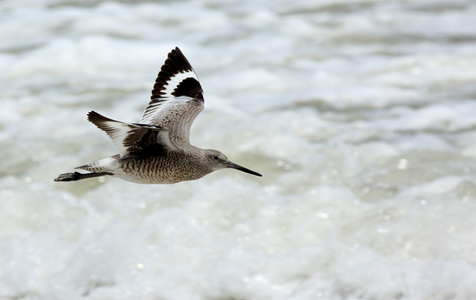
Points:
(177, 98)
(142, 140)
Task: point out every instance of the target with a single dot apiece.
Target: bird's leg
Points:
(78, 176)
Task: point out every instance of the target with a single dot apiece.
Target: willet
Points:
(158, 150)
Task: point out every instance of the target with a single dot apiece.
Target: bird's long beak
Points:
(238, 167)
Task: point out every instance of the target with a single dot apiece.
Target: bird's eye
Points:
(215, 157)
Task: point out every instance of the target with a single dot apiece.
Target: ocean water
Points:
(361, 115)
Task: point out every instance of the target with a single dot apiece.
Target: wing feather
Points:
(134, 139)
(177, 98)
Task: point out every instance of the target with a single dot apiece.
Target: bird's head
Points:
(217, 160)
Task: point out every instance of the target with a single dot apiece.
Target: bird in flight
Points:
(157, 149)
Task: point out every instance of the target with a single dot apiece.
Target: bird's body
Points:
(158, 150)
(172, 167)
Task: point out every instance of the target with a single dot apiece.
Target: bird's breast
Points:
(162, 169)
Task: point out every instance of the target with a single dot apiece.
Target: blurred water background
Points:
(360, 114)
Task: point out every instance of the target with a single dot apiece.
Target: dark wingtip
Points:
(94, 117)
(177, 49)
(176, 63)
(92, 114)
(100, 120)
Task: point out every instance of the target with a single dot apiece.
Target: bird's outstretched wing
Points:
(142, 140)
(177, 98)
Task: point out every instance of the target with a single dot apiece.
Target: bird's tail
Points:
(78, 176)
(102, 167)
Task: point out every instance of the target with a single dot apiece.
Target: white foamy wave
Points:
(359, 114)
